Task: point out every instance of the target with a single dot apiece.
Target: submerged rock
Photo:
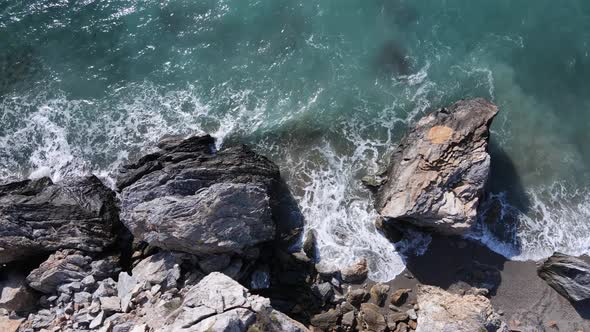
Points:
(568, 275)
(444, 311)
(188, 197)
(39, 216)
(438, 172)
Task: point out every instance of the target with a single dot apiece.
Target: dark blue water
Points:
(324, 88)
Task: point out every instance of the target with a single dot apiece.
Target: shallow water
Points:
(324, 88)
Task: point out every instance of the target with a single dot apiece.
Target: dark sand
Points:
(517, 292)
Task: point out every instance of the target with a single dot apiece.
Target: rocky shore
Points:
(195, 239)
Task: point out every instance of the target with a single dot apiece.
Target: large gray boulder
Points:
(438, 171)
(219, 303)
(38, 216)
(15, 295)
(568, 275)
(188, 197)
(447, 312)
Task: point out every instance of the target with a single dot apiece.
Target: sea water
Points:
(324, 88)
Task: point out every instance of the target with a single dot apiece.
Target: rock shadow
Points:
(457, 262)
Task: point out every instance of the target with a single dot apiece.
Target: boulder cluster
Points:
(195, 239)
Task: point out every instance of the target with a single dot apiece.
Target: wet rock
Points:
(371, 319)
(39, 216)
(438, 171)
(309, 244)
(326, 320)
(444, 311)
(568, 275)
(357, 296)
(400, 296)
(379, 294)
(389, 230)
(188, 197)
(15, 294)
(356, 273)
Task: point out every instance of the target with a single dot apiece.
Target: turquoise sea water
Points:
(324, 88)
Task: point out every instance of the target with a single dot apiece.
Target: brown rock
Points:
(326, 320)
(356, 273)
(357, 296)
(379, 294)
(413, 325)
(371, 318)
(400, 296)
(401, 327)
(9, 324)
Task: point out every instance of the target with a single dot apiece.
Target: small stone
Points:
(379, 294)
(394, 308)
(400, 296)
(412, 314)
(155, 289)
(88, 281)
(413, 325)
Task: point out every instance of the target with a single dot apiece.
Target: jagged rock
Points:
(371, 319)
(356, 273)
(105, 288)
(188, 197)
(97, 321)
(379, 294)
(399, 296)
(38, 216)
(219, 303)
(394, 318)
(444, 311)
(568, 275)
(65, 267)
(162, 269)
(438, 171)
(15, 294)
